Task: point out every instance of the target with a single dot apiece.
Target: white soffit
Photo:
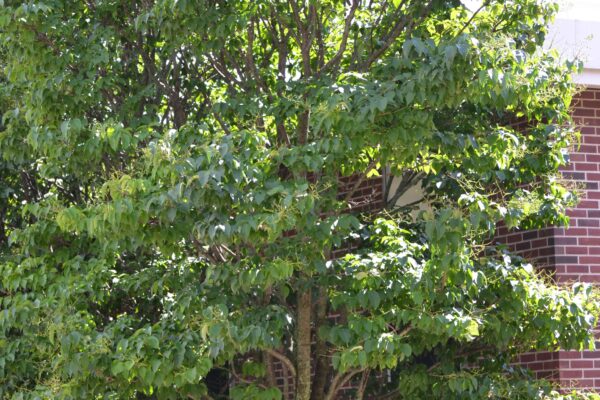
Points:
(576, 34)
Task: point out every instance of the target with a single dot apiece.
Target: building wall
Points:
(570, 254)
(577, 247)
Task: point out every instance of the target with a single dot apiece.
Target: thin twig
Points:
(485, 3)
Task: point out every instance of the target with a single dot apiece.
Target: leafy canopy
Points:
(179, 184)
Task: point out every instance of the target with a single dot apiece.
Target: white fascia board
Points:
(588, 78)
(578, 38)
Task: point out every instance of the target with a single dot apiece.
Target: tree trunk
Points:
(303, 338)
(322, 362)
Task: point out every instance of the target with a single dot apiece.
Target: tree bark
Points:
(322, 362)
(303, 353)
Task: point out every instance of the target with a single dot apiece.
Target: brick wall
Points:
(572, 253)
(577, 247)
(544, 364)
(537, 246)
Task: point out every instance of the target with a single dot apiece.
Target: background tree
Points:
(172, 177)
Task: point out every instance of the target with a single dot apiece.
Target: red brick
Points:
(576, 250)
(513, 238)
(561, 269)
(587, 148)
(567, 259)
(588, 204)
(584, 112)
(591, 121)
(588, 130)
(588, 222)
(594, 269)
(538, 243)
(590, 279)
(591, 241)
(543, 356)
(589, 259)
(577, 383)
(589, 139)
(578, 157)
(536, 366)
(549, 365)
(586, 167)
(590, 104)
(592, 176)
(591, 185)
(581, 364)
(574, 176)
(530, 235)
(592, 195)
(565, 278)
(529, 254)
(576, 269)
(564, 364)
(578, 99)
(545, 374)
(571, 374)
(591, 373)
(591, 157)
(574, 212)
(523, 246)
(570, 355)
(591, 354)
(527, 357)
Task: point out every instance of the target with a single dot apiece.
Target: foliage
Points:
(173, 194)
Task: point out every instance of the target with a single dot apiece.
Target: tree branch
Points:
(406, 183)
(483, 5)
(362, 386)
(339, 381)
(332, 64)
(252, 65)
(395, 32)
(305, 37)
(284, 360)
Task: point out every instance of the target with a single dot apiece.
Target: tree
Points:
(176, 211)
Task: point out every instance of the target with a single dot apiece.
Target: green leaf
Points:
(152, 342)
(119, 367)
(374, 299)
